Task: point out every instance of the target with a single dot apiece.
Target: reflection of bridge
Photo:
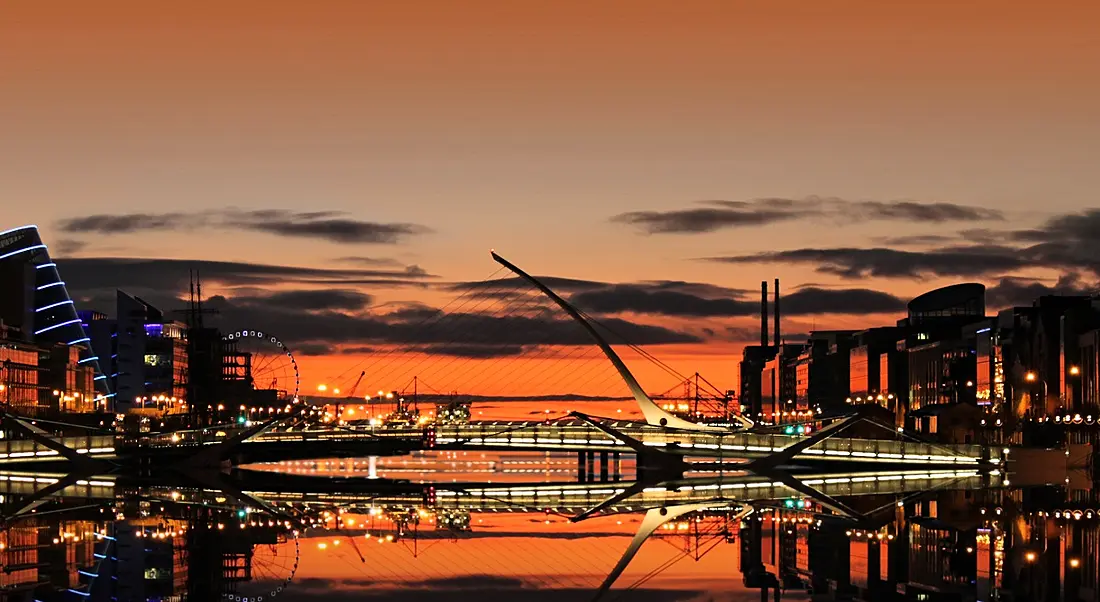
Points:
(302, 503)
(280, 491)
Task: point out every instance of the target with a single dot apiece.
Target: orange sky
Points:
(525, 127)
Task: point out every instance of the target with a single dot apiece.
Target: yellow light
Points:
(1074, 563)
(322, 545)
(1030, 556)
(1074, 370)
(322, 387)
(351, 412)
(221, 407)
(336, 391)
(1030, 377)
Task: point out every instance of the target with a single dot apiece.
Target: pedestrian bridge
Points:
(580, 436)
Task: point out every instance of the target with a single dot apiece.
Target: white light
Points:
(23, 250)
(53, 305)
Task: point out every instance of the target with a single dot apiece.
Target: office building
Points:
(145, 355)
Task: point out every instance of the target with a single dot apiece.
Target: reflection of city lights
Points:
(322, 388)
(322, 546)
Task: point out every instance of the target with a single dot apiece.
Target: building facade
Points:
(36, 303)
(145, 355)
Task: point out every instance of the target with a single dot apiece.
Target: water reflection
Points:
(453, 525)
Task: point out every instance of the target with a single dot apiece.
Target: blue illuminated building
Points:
(143, 354)
(36, 302)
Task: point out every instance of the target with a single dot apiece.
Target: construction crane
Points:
(351, 392)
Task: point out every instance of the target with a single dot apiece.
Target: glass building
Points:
(36, 302)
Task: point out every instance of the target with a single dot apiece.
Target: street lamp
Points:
(1074, 371)
(1030, 377)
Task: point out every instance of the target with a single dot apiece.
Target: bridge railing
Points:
(24, 449)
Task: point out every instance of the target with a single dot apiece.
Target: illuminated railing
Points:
(15, 450)
(577, 436)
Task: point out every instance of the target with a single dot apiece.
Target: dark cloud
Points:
(813, 300)
(312, 349)
(337, 229)
(893, 263)
(718, 215)
(1065, 242)
(512, 283)
(915, 240)
(358, 350)
(475, 351)
(913, 211)
(1010, 291)
(804, 301)
(376, 262)
(107, 224)
(414, 313)
(312, 300)
(460, 334)
(326, 225)
(174, 274)
(643, 299)
(702, 219)
(69, 246)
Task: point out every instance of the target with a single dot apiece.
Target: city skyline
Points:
(671, 160)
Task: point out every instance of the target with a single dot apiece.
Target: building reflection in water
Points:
(965, 543)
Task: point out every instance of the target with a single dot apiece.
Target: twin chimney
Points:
(764, 314)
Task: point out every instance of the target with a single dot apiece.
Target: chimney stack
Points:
(778, 341)
(764, 314)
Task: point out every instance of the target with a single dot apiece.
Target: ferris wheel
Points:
(263, 362)
(268, 570)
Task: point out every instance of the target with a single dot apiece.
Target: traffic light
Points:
(798, 429)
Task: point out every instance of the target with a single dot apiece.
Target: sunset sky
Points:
(353, 161)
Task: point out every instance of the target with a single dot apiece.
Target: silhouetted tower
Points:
(205, 358)
(764, 315)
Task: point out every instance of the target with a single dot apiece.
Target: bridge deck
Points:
(580, 436)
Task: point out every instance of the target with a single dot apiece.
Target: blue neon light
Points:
(51, 306)
(58, 283)
(88, 359)
(100, 377)
(46, 265)
(49, 328)
(87, 574)
(29, 227)
(23, 250)
(84, 340)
